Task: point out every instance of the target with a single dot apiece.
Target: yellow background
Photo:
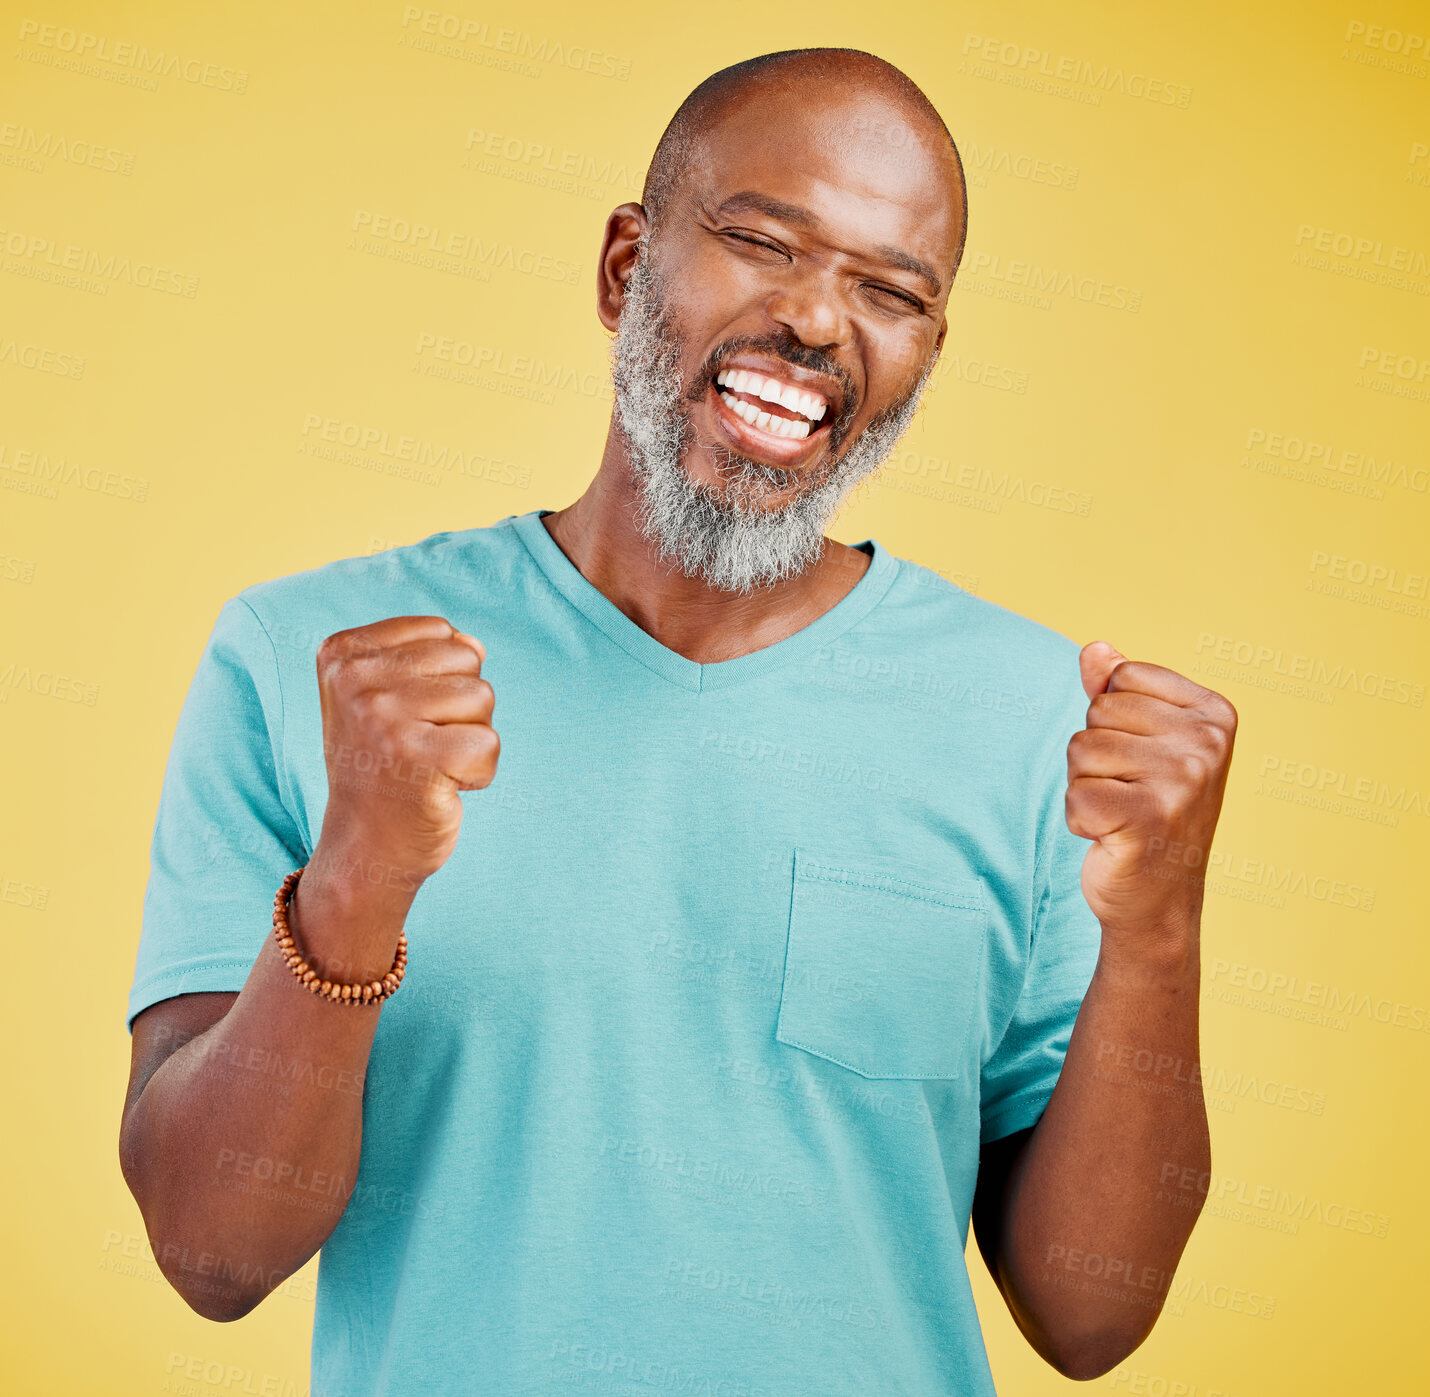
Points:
(1199, 538)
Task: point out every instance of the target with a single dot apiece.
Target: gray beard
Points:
(730, 541)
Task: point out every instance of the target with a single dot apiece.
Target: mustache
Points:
(793, 351)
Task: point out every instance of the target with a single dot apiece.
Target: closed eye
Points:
(903, 296)
(756, 242)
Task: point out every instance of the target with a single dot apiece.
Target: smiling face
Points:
(776, 328)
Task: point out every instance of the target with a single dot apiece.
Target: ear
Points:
(620, 250)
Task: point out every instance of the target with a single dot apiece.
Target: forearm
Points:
(242, 1148)
(1094, 1220)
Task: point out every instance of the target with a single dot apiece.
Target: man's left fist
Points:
(1145, 782)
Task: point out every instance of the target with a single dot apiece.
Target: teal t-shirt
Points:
(734, 967)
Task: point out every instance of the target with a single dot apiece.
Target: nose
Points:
(809, 305)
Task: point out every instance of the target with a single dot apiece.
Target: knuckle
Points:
(331, 652)
(1217, 737)
(365, 703)
(1166, 804)
(383, 705)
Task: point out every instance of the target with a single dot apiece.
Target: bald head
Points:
(861, 100)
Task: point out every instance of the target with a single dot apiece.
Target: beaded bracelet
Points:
(370, 993)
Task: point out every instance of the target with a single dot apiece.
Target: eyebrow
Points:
(752, 201)
(909, 263)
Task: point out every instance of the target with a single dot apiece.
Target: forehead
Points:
(871, 171)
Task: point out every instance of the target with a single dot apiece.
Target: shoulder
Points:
(953, 625)
(300, 609)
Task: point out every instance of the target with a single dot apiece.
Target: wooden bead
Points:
(371, 992)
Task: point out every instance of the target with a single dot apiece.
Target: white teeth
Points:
(770, 390)
(765, 421)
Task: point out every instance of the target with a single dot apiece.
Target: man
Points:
(816, 906)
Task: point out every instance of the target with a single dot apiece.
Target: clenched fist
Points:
(1145, 782)
(406, 726)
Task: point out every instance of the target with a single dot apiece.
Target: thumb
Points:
(1097, 660)
(472, 641)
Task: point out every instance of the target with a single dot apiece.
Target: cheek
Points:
(724, 284)
(896, 358)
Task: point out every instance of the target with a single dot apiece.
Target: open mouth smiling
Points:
(769, 404)
(770, 417)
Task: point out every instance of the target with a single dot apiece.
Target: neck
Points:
(598, 534)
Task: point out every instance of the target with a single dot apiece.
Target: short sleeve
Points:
(224, 839)
(1066, 937)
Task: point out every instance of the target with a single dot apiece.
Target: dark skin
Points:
(832, 250)
(825, 269)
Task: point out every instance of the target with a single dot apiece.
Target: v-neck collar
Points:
(603, 613)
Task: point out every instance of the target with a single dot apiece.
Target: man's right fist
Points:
(406, 725)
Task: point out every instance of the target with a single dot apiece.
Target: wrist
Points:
(1151, 954)
(347, 926)
(352, 876)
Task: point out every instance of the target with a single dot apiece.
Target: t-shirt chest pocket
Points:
(882, 975)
